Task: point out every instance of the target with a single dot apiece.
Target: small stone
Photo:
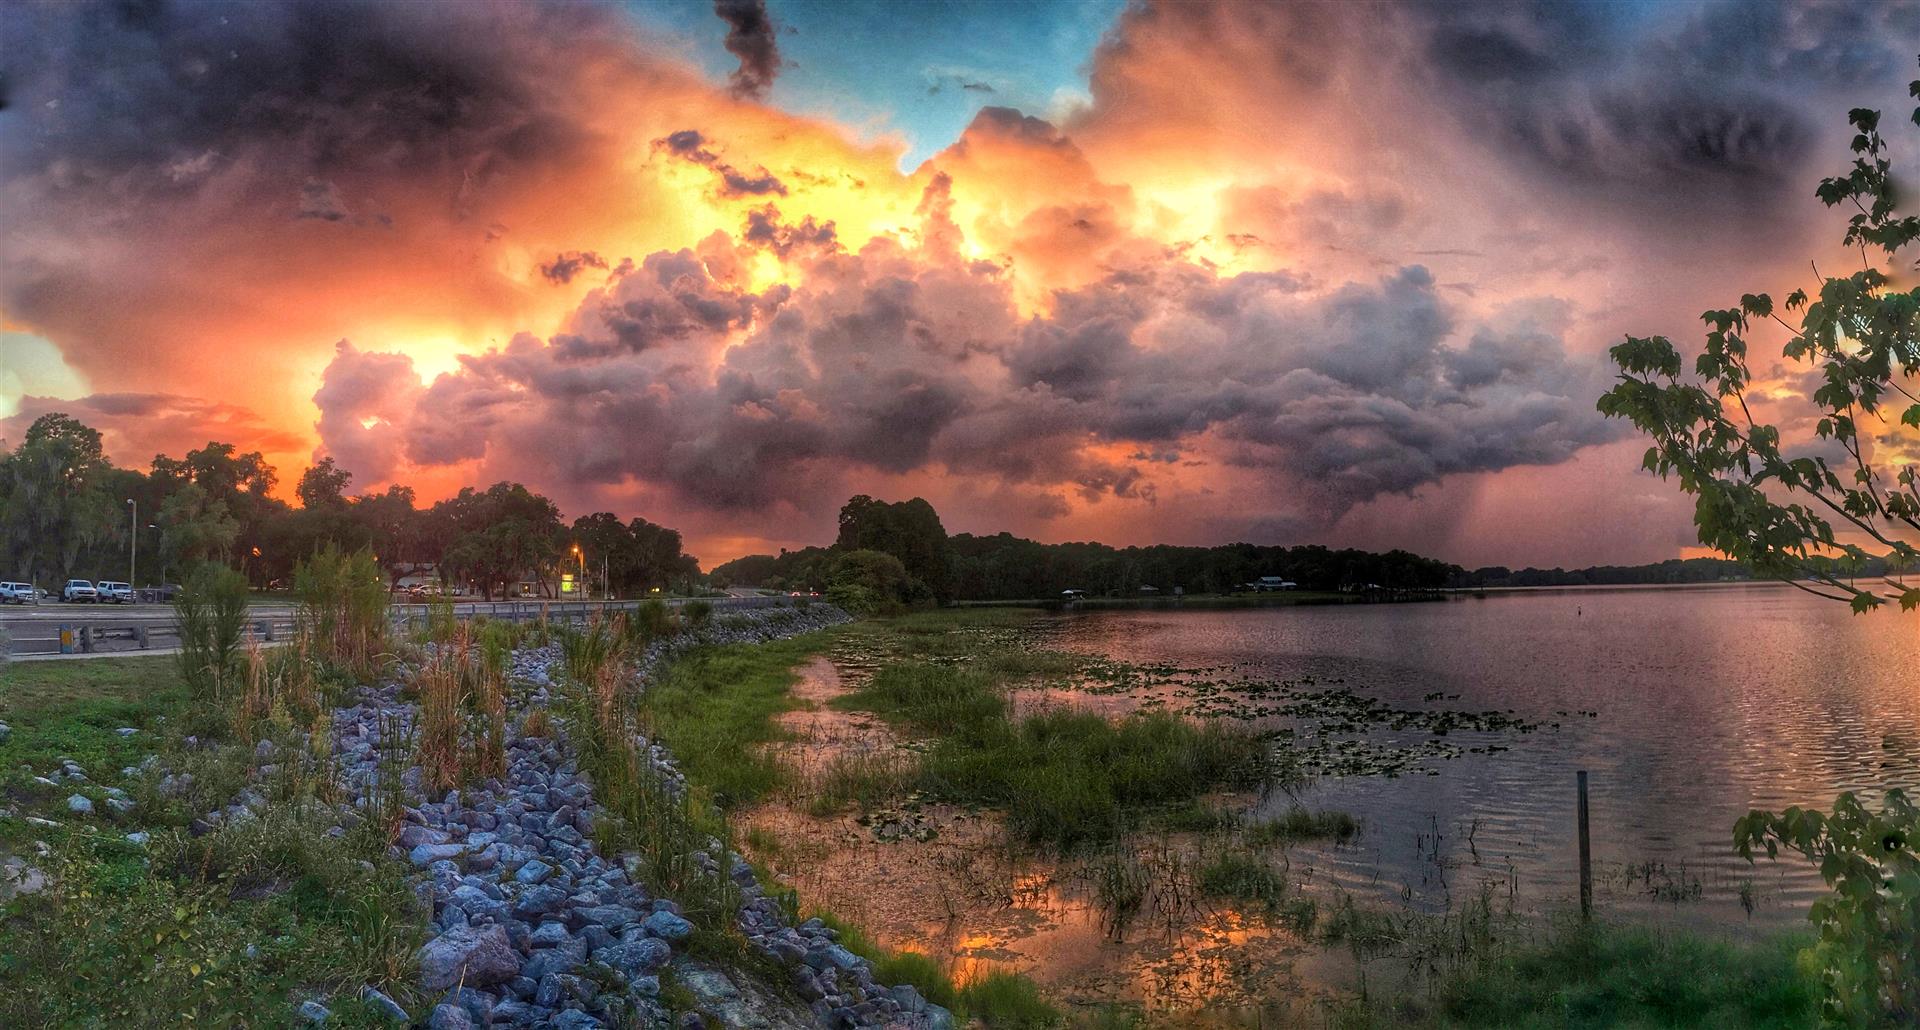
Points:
(537, 901)
(449, 1017)
(613, 917)
(79, 805)
(119, 806)
(386, 1007)
(5, 732)
(667, 926)
(533, 872)
(427, 854)
(128, 731)
(546, 935)
(477, 958)
(141, 838)
(314, 1012)
(639, 958)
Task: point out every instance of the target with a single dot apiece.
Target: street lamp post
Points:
(582, 559)
(133, 542)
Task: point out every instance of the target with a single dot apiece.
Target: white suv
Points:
(78, 590)
(18, 593)
(117, 593)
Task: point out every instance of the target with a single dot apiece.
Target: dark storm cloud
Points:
(568, 264)
(736, 400)
(751, 38)
(318, 199)
(1669, 105)
(765, 229)
(336, 92)
(670, 297)
(691, 145)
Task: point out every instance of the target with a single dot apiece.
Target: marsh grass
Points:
(861, 778)
(1064, 778)
(1299, 824)
(1576, 975)
(341, 609)
(716, 706)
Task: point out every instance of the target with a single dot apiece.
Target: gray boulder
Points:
(470, 957)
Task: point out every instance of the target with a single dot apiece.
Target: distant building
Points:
(1269, 584)
(1072, 595)
(1147, 588)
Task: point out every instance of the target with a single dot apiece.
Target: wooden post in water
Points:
(1586, 855)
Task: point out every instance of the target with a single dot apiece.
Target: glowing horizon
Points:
(1300, 273)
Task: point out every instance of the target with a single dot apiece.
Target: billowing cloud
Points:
(751, 38)
(1340, 272)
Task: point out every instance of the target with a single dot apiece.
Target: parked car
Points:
(113, 592)
(18, 593)
(78, 591)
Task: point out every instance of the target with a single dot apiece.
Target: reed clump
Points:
(342, 609)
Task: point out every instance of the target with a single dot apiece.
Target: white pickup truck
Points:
(79, 591)
(18, 593)
(111, 592)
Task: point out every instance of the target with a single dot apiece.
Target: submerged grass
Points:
(1064, 778)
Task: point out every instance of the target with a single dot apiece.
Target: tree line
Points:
(1002, 567)
(66, 511)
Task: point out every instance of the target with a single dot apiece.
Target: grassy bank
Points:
(1606, 975)
(229, 928)
(716, 706)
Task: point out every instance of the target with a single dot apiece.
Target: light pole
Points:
(582, 559)
(133, 542)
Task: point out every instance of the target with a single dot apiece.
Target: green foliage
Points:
(651, 621)
(1008, 1001)
(1300, 824)
(1593, 977)
(1869, 946)
(211, 610)
(341, 608)
(697, 614)
(1245, 878)
(636, 555)
(1065, 778)
(714, 707)
(1859, 337)
(908, 530)
(53, 500)
(869, 583)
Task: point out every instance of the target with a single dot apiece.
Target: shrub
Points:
(211, 611)
(697, 614)
(1869, 946)
(342, 608)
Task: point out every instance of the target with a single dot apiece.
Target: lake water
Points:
(1707, 702)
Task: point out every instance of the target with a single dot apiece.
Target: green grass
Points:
(716, 706)
(1002, 1000)
(1008, 1001)
(1064, 778)
(1612, 976)
(162, 936)
(1242, 877)
(1300, 824)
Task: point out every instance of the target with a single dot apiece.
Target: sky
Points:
(1333, 273)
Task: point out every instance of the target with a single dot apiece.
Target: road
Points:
(113, 628)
